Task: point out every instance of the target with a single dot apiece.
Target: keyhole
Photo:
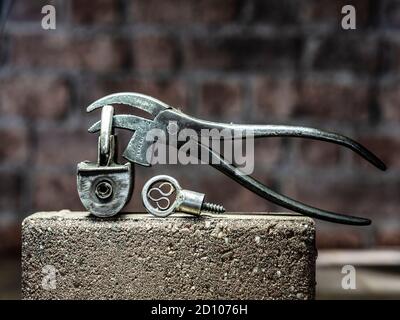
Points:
(103, 190)
(162, 194)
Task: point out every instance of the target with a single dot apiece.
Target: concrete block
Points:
(73, 255)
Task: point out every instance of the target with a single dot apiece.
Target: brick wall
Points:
(282, 62)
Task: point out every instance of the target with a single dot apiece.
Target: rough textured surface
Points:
(137, 256)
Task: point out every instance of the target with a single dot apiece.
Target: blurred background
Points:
(254, 61)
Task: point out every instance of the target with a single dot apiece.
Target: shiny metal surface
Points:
(185, 201)
(164, 114)
(105, 187)
(105, 133)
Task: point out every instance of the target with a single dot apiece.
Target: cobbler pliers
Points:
(163, 115)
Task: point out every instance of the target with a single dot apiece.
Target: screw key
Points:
(186, 201)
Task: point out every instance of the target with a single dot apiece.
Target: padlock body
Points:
(104, 190)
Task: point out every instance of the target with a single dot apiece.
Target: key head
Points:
(161, 195)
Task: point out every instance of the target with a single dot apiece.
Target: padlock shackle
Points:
(106, 131)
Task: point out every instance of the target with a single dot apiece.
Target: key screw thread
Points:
(212, 207)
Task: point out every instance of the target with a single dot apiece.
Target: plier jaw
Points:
(137, 150)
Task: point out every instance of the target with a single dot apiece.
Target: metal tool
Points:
(160, 189)
(105, 187)
(164, 115)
